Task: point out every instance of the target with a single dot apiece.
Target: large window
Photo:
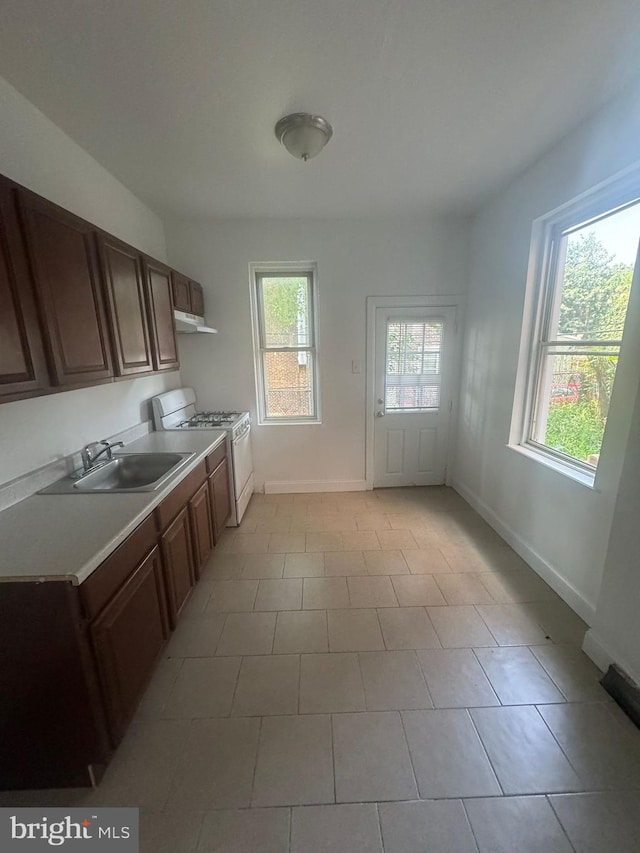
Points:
(585, 269)
(285, 342)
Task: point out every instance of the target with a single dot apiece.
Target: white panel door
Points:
(414, 358)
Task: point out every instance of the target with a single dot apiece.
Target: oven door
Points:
(242, 461)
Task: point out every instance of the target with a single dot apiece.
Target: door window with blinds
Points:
(413, 365)
(285, 343)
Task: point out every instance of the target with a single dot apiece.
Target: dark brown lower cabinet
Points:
(177, 556)
(53, 731)
(128, 637)
(201, 527)
(75, 660)
(220, 498)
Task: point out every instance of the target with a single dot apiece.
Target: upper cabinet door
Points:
(123, 277)
(197, 298)
(163, 332)
(23, 370)
(63, 255)
(181, 291)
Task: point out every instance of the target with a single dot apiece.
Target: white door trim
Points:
(453, 300)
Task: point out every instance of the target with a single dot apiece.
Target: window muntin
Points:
(286, 343)
(590, 270)
(413, 365)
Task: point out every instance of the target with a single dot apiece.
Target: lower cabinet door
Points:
(128, 637)
(177, 555)
(201, 527)
(220, 498)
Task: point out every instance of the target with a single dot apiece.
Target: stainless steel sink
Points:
(126, 472)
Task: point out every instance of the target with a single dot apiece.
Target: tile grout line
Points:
(235, 687)
(468, 819)
(255, 764)
(484, 749)
(424, 678)
(406, 740)
(530, 647)
(364, 690)
(380, 835)
(475, 607)
(486, 675)
(333, 760)
(562, 826)
(569, 762)
(200, 830)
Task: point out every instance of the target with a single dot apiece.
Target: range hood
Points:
(191, 323)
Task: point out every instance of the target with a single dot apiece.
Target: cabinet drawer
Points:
(179, 497)
(216, 456)
(107, 579)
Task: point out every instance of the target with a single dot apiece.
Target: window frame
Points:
(545, 277)
(258, 271)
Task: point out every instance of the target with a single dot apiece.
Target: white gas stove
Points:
(176, 410)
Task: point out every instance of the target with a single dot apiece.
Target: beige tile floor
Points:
(374, 672)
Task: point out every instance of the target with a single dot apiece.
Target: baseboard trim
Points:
(548, 574)
(281, 487)
(604, 654)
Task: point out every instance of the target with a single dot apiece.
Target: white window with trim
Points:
(284, 311)
(584, 261)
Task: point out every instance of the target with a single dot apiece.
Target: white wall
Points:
(560, 526)
(356, 259)
(37, 154)
(614, 636)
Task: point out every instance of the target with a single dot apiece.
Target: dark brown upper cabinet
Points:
(64, 262)
(160, 300)
(127, 308)
(23, 369)
(187, 294)
(197, 298)
(180, 289)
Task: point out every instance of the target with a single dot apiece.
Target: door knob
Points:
(379, 414)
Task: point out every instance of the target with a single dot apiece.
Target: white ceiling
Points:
(434, 103)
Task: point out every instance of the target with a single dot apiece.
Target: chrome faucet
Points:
(89, 458)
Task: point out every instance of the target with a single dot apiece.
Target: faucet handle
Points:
(87, 454)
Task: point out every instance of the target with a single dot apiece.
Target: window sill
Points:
(291, 422)
(583, 477)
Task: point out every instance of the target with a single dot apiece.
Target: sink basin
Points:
(126, 472)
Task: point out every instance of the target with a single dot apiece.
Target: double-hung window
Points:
(284, 298)
(587, 256)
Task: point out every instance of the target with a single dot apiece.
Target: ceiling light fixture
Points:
(303, 135)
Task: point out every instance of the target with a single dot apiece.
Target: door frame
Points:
(452, 300)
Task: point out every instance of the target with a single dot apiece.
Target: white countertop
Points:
(66, 537)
